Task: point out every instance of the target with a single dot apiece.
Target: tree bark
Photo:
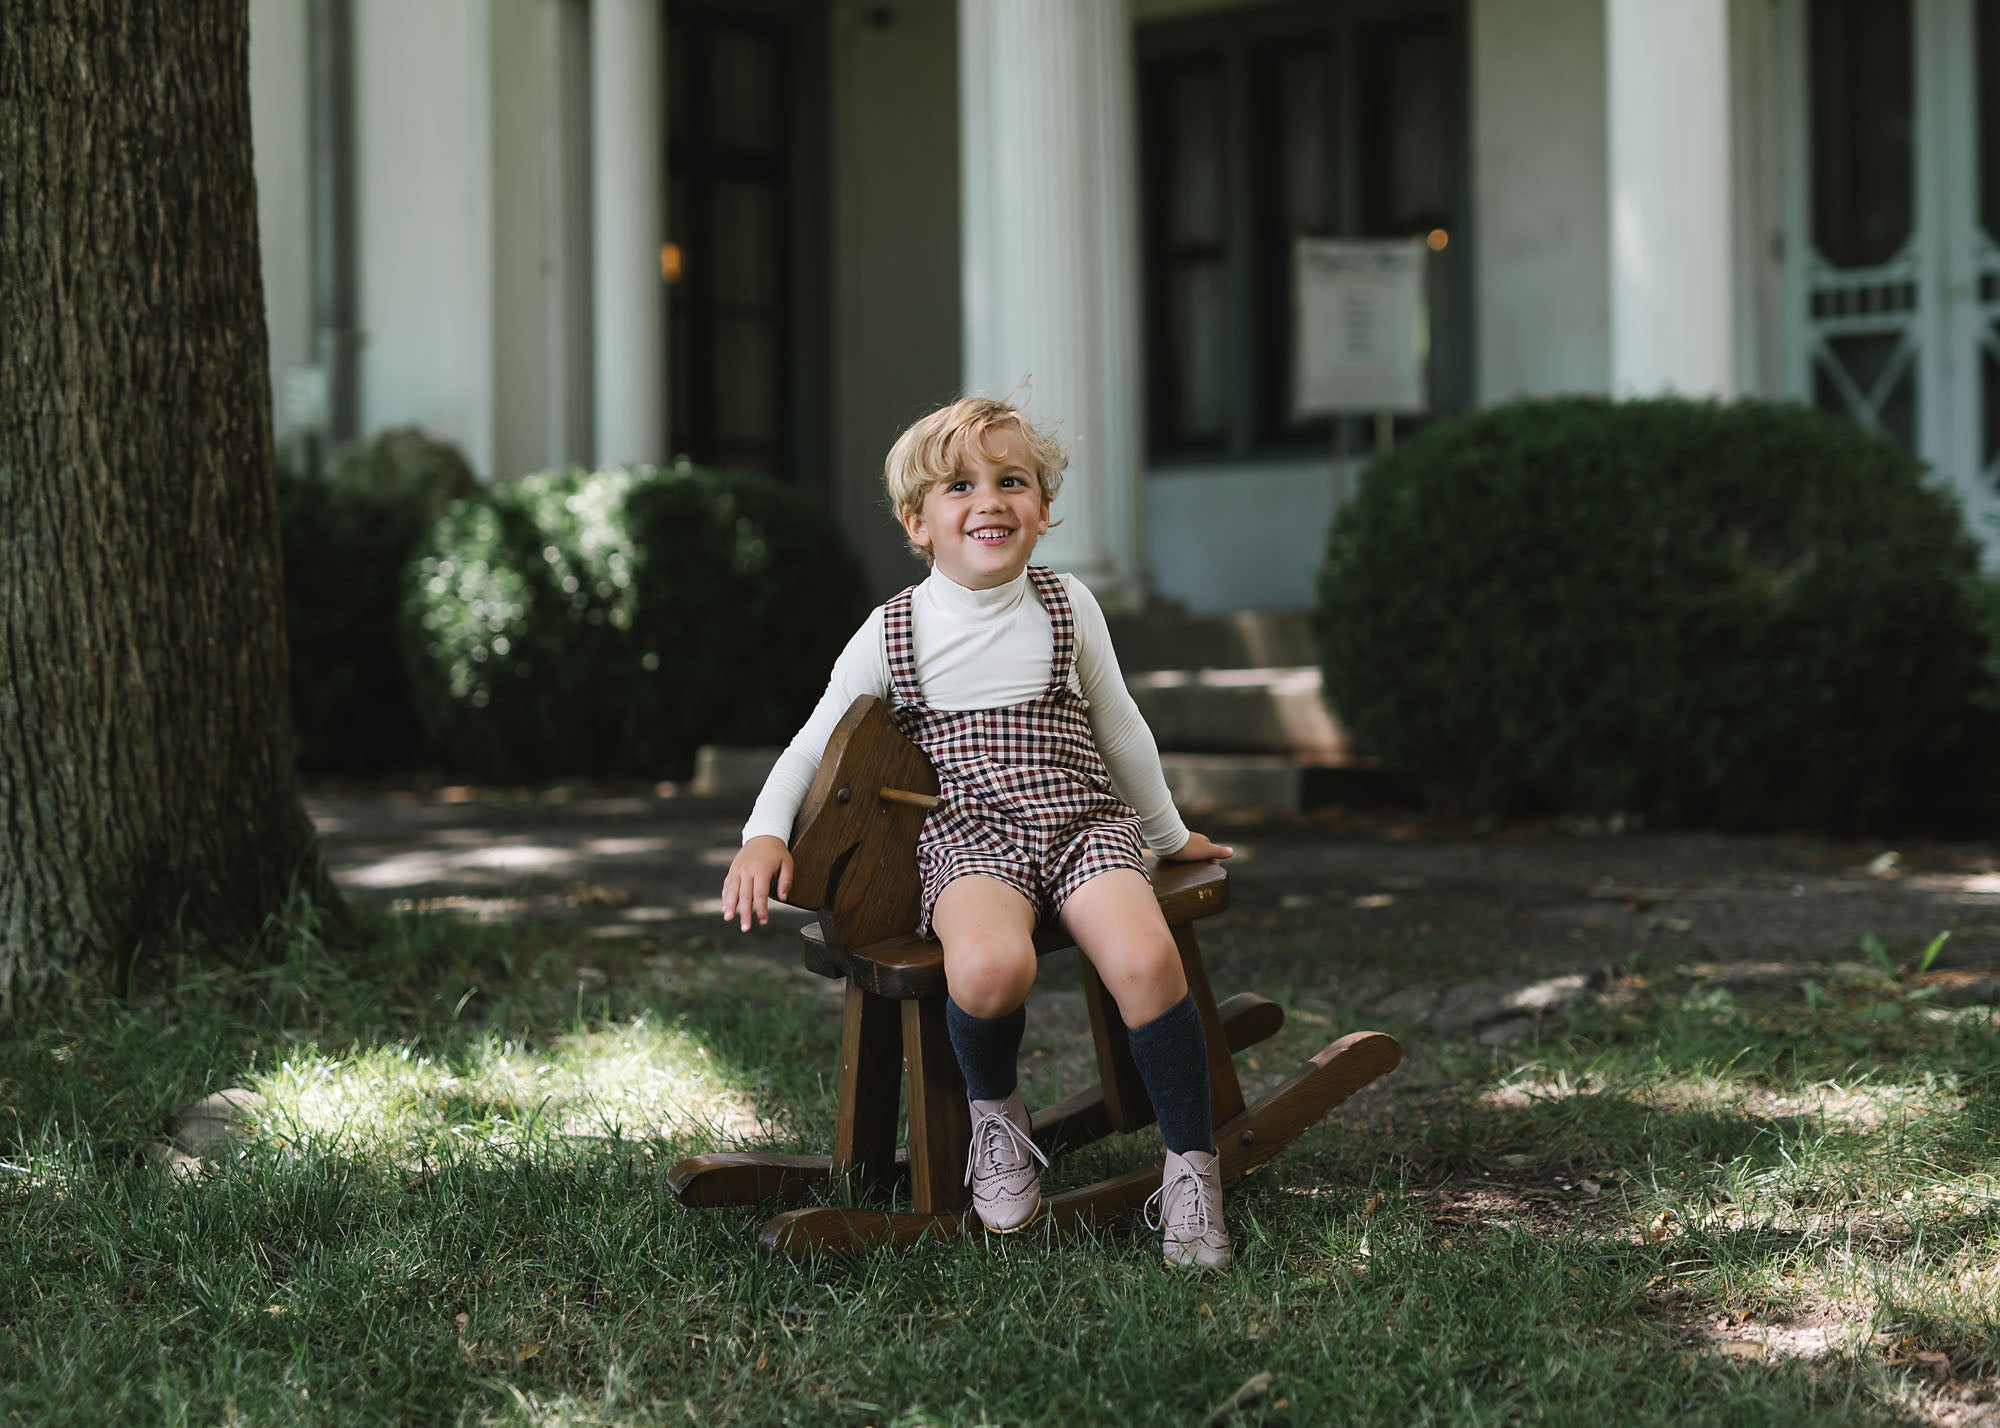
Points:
(146, 784)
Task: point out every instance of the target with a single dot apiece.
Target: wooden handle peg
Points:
(914, 800)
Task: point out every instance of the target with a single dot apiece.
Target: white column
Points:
(569, 301)
(628, 212)
(1051, 255)
(1672, 274)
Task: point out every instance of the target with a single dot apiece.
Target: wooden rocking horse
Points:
(854, 855)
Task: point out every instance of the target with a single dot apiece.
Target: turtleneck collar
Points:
(976, 604)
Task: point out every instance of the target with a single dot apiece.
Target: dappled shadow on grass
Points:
(451, 1203)
(1807, 1176)
(560, 1278)
(431, 1027)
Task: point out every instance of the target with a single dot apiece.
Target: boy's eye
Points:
(959, 486)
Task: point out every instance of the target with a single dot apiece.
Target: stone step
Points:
(1267, 710)
(1274, 711)
(1202, 782)
(1163, 637)
(1272, 783)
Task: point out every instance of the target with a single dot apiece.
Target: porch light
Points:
(670, 262)
(1437, 238)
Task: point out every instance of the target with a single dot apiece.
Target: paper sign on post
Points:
(1363, 326)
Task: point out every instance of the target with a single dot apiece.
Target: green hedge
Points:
(346, 537)
(609, 622)
(1739, 616)
(1987, 599)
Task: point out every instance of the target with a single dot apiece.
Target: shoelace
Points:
(1156, 1203)
(992, 1134)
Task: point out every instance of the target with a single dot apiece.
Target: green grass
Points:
(451, 1209)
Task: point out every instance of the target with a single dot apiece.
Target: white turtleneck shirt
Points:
(985, 649)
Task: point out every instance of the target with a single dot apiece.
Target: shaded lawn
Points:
(1689, 1207)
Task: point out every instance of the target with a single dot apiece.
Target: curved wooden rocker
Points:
(854, 851)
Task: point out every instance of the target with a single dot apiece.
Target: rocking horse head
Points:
(851, 843)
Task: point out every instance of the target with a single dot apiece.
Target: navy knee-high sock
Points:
(1172, 1056)
(987, 1048)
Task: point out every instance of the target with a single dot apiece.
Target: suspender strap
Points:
(900, 645)
(1062, 624)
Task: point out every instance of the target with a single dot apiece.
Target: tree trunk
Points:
(146, 784)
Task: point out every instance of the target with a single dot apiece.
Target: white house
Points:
(769, 233)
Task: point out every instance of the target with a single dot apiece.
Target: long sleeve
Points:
(984, 650)
(1127, 745)
(861, 669)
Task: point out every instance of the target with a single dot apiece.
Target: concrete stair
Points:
(1234, 701)
(1165, 637)
(1271, 710)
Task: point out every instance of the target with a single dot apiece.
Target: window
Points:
(1264, 125)
(742, 216)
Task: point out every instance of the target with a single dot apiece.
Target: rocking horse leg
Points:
(940, 1130)
(940, 1118)
(871, 1073)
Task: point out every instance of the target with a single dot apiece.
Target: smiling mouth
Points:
(990, 535)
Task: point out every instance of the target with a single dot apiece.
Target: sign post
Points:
(1362, 333)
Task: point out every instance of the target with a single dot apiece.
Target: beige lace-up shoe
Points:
(1001, 1165)
(1187, 1210)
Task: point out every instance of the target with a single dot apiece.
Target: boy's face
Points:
(981, 526)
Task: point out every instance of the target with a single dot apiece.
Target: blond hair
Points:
(926, 455)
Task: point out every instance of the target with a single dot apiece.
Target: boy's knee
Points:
(1154, 981)
(990, 978)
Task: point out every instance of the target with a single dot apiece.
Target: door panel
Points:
(1873, 373)
(1863, 131)
(1866, 262)
(1894, 297)
(1985, 294)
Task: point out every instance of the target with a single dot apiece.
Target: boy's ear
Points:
(913, 525)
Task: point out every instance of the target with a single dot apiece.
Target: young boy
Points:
(1004, 675)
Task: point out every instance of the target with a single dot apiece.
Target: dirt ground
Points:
(1522, 901)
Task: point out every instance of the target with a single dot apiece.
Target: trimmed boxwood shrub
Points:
(610, 622)
(1739, 616)
(347, 536)
(1987, 598)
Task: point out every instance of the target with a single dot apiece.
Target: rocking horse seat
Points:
(854, 863)
(908, 968)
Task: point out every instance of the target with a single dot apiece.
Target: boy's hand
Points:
(747, 888)
(1199, 849)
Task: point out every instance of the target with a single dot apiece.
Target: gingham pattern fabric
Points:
(1026, 796)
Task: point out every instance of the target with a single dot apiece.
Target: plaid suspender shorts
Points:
(1026, 796)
